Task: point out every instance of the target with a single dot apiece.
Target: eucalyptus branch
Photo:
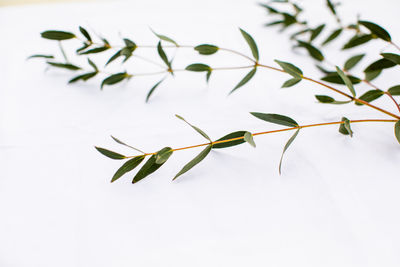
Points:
(157, 159)
(341, 76)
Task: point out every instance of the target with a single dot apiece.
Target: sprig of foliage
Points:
(304, 38)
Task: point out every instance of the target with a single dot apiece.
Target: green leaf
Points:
(85, 33)
(114, 57)
(290, 69)
(397, 130)
(110, 154)
(312, 50)
(275, 118)
(316, 32)
(85, 45)
(324, 99)
(194, 161)
(124, 144)
(345, 127)
(165, 38)
(370, 96)
(395, 90)
(330, 100)
(369, 76)
(148, 168)
(114, 78)
(335, 78)
(206, 49)
(198, 67)
(238, 134)
(83, 77)
(353, 61)
(57, 35)
(357, 40)
(163, 155)
(252, 44)
(162, 55)
(291, 82)
(380, 64)
(392, 57)
(195, 128)
(153, 89)
(95, 50)
(245, 80)
(127, 167)
(248, 137)
(377, 30)
(346, 80)
(64, 66)
(331, 7)
(130, 44)
(40, 56)
(335, 34)
(289, 142)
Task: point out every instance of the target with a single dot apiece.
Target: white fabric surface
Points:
(336, 203)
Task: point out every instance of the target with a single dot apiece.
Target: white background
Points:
(336, 203)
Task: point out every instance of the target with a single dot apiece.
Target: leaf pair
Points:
(292, 70)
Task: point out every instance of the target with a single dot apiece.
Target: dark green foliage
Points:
(316, 32)
(40, 56)
(345, 128)
(151, 91)
(57, 35)
(357, 40)
(370, 96)
(110, 154)
(275, 118)
(252, 44)
(67, 66)
(83, 77)
(376, 30)
(85, 33)
(230, 143)
(312, 50)
(201, 132)
(324, 99)
(397, 130)
(245, 80)
(290, 69)
(335, 34)
(289, 142)
(353, 61)
(392, 57)
(194, 161)
(291, 82)
(127, 167)
(395, 90)
(206, 49)
(346, 81)
(380, 64)
(114, 78)
(335, 78)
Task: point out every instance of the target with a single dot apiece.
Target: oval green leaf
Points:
(57, 35)
(291, 69)
(377, 30)
(346, 80)
(353, 61)
(275, 118)
(370, 96)
(206, 49)
(238, 134)
(395, 90)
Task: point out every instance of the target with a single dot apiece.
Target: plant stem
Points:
(267, 67)
(273, 131)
